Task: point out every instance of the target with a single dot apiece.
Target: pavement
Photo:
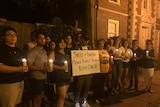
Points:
(135, 99)
(131, 98)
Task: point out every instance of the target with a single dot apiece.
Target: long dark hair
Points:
(58, 41)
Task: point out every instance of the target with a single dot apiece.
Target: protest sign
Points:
(85, 62)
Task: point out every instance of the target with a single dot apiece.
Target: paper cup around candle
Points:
(134, 55)
(51, 63)
(66, 64)
(24, 62)
(111, 58)
(147, 53)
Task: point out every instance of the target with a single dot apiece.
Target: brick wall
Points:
(105, 12)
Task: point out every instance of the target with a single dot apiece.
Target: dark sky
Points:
(41, 10)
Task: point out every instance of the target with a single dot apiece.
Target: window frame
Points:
(116, 22)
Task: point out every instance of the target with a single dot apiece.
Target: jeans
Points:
(117, 73)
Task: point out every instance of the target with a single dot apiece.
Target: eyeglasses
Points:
(11, 35)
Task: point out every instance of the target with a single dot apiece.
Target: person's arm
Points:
(52, 56)
(12, 69)
(32, 67)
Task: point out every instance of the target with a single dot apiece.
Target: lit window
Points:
(113, 28)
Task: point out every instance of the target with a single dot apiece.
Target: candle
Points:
(134, 55)
(24, 61)
(147, 53)
(111, 58)
(66, 64)
(129, 54)
(51, 63)
(117, 51)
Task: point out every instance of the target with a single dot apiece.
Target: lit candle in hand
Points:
(51, 63)
(24, 61)
(134, 55)
(111, 58)
(117, 51)
(66, 64)
(129, 54)
(147, 53)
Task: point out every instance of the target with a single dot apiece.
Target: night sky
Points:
(41, 10)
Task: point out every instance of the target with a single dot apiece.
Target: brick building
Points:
(132, 19)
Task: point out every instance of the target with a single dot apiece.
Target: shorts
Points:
(125, 64)
(11, 94)
(37, 86)
(62, 82)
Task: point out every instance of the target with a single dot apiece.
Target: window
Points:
(115, 1)
(146, 4)
(113, 28)
(158, 9)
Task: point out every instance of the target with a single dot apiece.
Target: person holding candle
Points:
(134, 65)
(148, 65)
(37, 63)
(69, 46)
(83, 82)
(108, 81)
(50, 75)
(99, 79)
(118, 55)
(62, 71)
(127, 56)
(11, 70)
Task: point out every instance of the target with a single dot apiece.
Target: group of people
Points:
(47, 61)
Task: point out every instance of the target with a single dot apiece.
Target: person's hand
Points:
(23, 69)
(64, 67)
(72, 79)
(50, 69)
(148, 57)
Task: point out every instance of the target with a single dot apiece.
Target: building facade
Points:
(129, 19)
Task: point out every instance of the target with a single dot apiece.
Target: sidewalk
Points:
(136, 99)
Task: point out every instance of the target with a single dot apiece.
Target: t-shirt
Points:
(39, 57)
(128, 55)
(148, 63)
(135, 63)
(118, 52)
(11, 56)
(59, 60)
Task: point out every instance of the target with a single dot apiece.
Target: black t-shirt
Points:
(59, 60)
(139, 53)
(11, 56)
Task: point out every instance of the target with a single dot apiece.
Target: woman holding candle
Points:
(148, 65)
(118, 55)
(108, 81)
(99, 79)
(11, 70)
(127, 56)
(62, 71)
(134, 65)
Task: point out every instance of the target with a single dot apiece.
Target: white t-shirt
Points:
(118, 53)
(127, 55)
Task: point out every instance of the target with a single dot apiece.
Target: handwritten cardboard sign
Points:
(85, 62)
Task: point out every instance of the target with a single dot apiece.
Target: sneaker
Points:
(136, 89)
(97, 101)
(116, 92)
(150, 90)
(146, 90)
(85, 104)
(130, 87)
(77, 105)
